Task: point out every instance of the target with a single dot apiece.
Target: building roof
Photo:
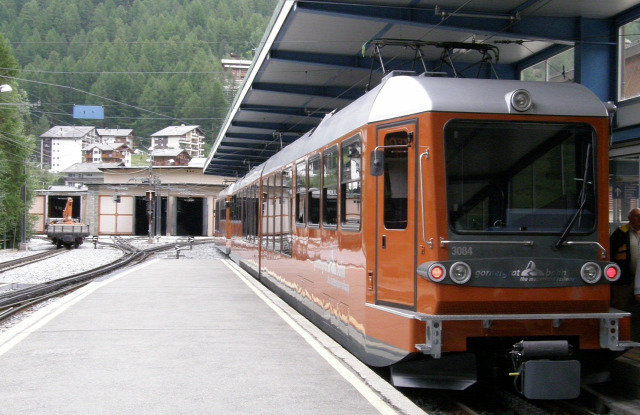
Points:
(89, 167)
(175, 130)
(197, 162)
(168, 152)
(60, 131)
(66, 189)
(104, 146)
(116, 132)
(240, 63)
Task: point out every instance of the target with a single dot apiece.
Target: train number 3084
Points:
(461, 250)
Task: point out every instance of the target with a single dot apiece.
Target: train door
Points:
(395, 215)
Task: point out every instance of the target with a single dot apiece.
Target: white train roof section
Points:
(406, 95)
(399, 96)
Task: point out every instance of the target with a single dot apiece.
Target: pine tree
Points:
(15, 149)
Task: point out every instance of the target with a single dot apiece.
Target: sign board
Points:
(91, 112)
(624, 190)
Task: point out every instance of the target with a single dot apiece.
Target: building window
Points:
(557, 68)
(629, 64)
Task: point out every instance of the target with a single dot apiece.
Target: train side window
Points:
(287, 176)
(313, 194)
(301, 194)
(396, 175)
(350, 200)
(330, 188)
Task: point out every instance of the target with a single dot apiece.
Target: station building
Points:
(129, 201)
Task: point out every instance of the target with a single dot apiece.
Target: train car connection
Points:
(447, 228)
(66, 232)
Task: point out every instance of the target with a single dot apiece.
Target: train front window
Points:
(519, 177)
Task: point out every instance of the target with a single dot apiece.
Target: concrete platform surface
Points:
(181, 337)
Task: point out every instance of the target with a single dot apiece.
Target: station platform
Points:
(180, 336)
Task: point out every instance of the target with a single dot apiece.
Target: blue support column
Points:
(595, 54)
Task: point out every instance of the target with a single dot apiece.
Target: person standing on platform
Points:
(624, 245)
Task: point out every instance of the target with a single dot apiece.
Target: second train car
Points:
(447, 228)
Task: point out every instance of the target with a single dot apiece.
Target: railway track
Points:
(494, 400)
(19, 262)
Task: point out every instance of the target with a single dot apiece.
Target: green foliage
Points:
(150, 63)
(15, 149)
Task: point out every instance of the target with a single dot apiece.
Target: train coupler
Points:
(543, 370)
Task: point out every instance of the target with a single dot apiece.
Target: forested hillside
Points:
(150, 63)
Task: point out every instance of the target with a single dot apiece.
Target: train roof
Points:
(400, 95)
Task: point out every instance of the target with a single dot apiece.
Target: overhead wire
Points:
(96, 96)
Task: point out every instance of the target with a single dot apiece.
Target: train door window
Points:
(287, 176)
(248, 215)
(271, 196)
(243, 216)
(301, 194)
(350, 206)
(277, 212)
(314, 191)
(395, 180)
(253, 218)
(330, 188)
(216, 219)
(265, 212)
(234, 208)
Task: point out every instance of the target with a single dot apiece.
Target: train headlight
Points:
(612, 272)
(437, 272)
(521, 100)
(590, 272)
(460, 272)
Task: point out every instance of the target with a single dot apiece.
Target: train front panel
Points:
(511, 242)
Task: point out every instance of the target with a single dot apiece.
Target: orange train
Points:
(447, 228)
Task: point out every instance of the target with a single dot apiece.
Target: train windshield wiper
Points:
(582, 200)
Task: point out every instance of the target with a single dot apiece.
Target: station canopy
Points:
(318, 56)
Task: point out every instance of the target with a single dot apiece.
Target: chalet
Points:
(117, 135)
(170, 157)
(119, 153)
(187, 137)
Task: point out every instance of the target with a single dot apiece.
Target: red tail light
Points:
(437, 272)
(612, 272)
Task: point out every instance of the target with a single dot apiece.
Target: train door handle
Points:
(384, 241)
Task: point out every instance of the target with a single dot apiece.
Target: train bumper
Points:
(609, 325)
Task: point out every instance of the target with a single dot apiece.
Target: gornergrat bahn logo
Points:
(533, 273)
